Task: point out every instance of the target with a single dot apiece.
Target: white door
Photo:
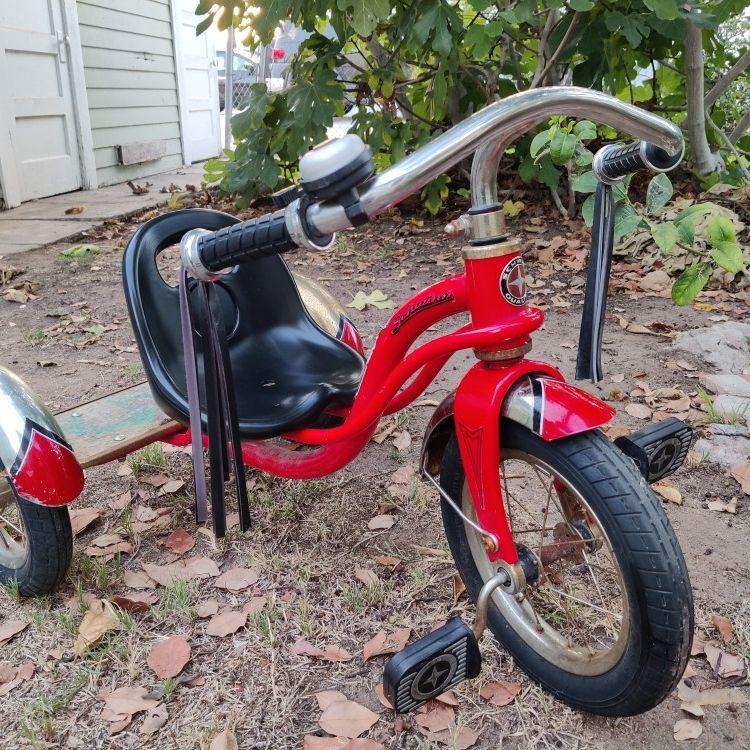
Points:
(199, 86)
(39, 152)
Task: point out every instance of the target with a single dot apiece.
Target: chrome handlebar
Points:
(488, 133)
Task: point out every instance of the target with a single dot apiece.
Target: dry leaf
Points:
(129, 701)
(741, 472)
(724, 626)
(384, 643)
(402, 441)
(435, 717)
(668, 491)
(10, 629)
(387, 561)
(256, 604)
(302, 647)
(179, 541)
(226, 623)
(137, 579)
(722, 507)
(711, 697)
(170, 487)
(169, 657)
(458, 588)
(368, 577)
(725, 665)
(687, 729)
(381, 522)
(500, 693)
(428, 551)
(347, 719)
(403, 475)
(208, 608)
(363, 743)
(134, 602)
(237, 579)
(80, 518)
(639, 411)
(311, 742)
(156, 719)
(380, 693)
(457, 738)
(155, 480)
(99, 619)
(224, 741)
(693, 709)
(326, 697)
(184, 570)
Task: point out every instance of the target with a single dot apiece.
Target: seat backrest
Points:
(255, 298)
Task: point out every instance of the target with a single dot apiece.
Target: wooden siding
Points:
(128, 56)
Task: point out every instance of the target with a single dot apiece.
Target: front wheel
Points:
(36, 546)
(605, 622)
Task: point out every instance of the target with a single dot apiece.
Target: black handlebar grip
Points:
(613, 162)
(243, 242)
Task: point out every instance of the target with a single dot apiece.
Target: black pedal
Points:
(659, 449)
(431, 665)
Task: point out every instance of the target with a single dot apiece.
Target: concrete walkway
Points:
(42, 222)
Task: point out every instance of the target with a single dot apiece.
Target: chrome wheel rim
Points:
(576, 616)
(13, 539)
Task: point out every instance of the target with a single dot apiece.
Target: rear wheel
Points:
(36, 546)
(605, 621)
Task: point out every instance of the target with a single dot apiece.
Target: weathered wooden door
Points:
(199, 87)
(39, 150)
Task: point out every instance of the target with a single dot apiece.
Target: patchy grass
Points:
(148, 459)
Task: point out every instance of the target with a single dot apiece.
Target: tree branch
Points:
(728, 79)
(740, 128)
(730, 146)
(563, 42)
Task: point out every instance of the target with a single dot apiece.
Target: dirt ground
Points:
(72, 344)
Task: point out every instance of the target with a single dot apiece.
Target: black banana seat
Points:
(287, 370)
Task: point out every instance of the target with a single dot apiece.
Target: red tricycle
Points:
(554, 530)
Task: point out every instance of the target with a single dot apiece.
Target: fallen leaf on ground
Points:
(376, 298)
(458, 588)
(326, 697)
(428, 551)
(155, 480)
(403, 475)
(226, 623)
(435, 717)
(137, 579)
(614, 431)
(347, 719)
(108, 545)
(134, 602)
(387, 561)
(99, 619)
(380, 693)
(500, 693)
(128, 700)
(710, 697)
(724, 626)
(237, 579)
(184, 570)
(693, 709)
(179, 541)
(80, 518)
(724, 664)
(741, 472)
(668, 491)
(721, 507)
(687, 729)
(363, 743)
(618, 378)
(312, 742)
(448, 697)
(256, 604)
(208, 608)
(170, 487)
(10, 629)
(459, 738)
(639, 411)
(169, 657)
(301, 647)
(402, 441)
(386, 643)
(156, 719)
(224, 741)
(381, 522)
(368, 577)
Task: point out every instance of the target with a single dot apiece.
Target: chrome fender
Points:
(34, 456)
(550, 408)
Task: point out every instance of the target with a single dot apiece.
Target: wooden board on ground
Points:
(115, 425)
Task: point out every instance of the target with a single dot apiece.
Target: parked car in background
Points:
(244, 74)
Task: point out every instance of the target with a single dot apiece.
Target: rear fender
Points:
(34, 457)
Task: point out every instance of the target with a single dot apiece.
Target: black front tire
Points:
(656, 648)
(48, 549)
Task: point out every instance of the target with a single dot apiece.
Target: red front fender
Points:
(531, 393)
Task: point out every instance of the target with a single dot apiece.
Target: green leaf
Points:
(666, 235)
(587, 210)
(665, 9)
(626, 220)
(697, 210)
(585, 130)
(686, 231)
(728, 255)
(80, 251)
(376, 298)
(562, 147)
(583, 156)
(539, 141)
(658, 193)
(581, 5)
(690, 283)
(204, 24)
(721, 229)
(585, 183)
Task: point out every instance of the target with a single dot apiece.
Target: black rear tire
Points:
(653, 650)
(47, 549)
